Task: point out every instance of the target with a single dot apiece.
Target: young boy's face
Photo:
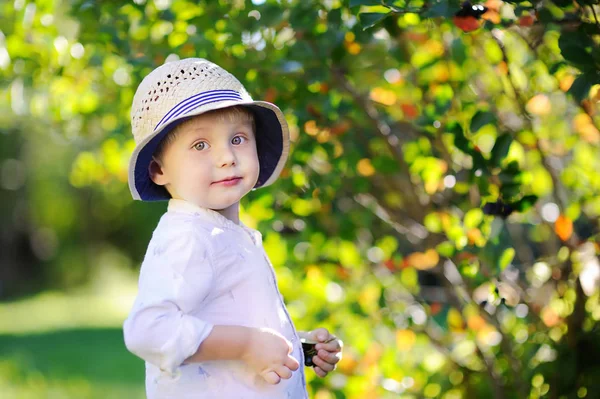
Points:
(212, 162)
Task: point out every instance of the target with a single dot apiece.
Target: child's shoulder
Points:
(177, 226)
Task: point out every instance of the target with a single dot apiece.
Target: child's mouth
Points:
(230, 181)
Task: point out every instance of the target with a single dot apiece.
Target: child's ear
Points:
(156, 172)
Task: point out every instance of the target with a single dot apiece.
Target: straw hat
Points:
(181, 89)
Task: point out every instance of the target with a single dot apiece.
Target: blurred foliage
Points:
(440, 208)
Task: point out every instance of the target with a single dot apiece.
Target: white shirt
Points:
(201, 270)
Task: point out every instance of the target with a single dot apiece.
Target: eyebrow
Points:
(236, 125)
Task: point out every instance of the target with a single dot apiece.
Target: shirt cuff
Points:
(192, 332)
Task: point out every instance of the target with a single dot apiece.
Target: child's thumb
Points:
(322, 334)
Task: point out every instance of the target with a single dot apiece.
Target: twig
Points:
(593, 12)
(382, 127)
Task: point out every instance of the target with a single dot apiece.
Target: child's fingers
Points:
(291, 363)
(320, 334)
(320, 372)
(330, 357)
(335, 345)
(284, 372)
(271, 377)
(323, 364)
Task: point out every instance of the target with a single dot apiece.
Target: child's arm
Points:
(223, 343)
(162, 330)
(175, 278)
(264, 350)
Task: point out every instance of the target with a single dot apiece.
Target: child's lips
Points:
(230, 181)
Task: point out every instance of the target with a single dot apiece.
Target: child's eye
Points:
(200, 146)
(238, 140)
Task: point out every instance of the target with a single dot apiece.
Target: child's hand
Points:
(329, 350)
(268, 354)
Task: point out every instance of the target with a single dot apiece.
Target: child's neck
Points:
(232, 212)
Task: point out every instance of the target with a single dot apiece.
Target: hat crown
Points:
(172, 84)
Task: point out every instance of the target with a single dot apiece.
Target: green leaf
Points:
(576, 47)
(334, 17)
(473, 218)
(458, 51)
(557, 66)
(479, 162)
(545, 15)
(520, 8)
(369, 19)
(460, 141)
(441, 9)
(500, 150)
(525, 203)
(507, 256)
(563, 3)
(480, 119)
(510, 190)
(581, 86)
(356, 3)
(446, 249)
(589, 28)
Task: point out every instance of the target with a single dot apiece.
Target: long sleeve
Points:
(175, 279)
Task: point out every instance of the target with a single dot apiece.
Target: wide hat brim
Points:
(272, 142)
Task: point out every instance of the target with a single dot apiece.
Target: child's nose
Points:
(226, 157)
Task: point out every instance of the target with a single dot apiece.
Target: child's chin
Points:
(222, 205)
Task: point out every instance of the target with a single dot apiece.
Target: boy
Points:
(209, 319)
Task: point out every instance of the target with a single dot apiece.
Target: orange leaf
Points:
(475, 237)
(415, 37)
(476, 322)
(348, 363)
(466, 24)
(390, 265)
(409, 110)
(492, 16)
(383, 96)
(549, 317)
(353, 48)
(423, 260)
(588, 106)
(502, 68)
(310, 127)
(566, 82)
(313, 111)
(188, 49)
(563, 227)
(466, 256)
(584, 125)
(365, 168)
(342, 272)
(435, 308)
(493, 5)
(340, 128)
(270, 95)
(539, 105)
(526, 20)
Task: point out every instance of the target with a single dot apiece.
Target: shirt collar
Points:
(182, 206)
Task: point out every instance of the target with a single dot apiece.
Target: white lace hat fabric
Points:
(181, 89)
